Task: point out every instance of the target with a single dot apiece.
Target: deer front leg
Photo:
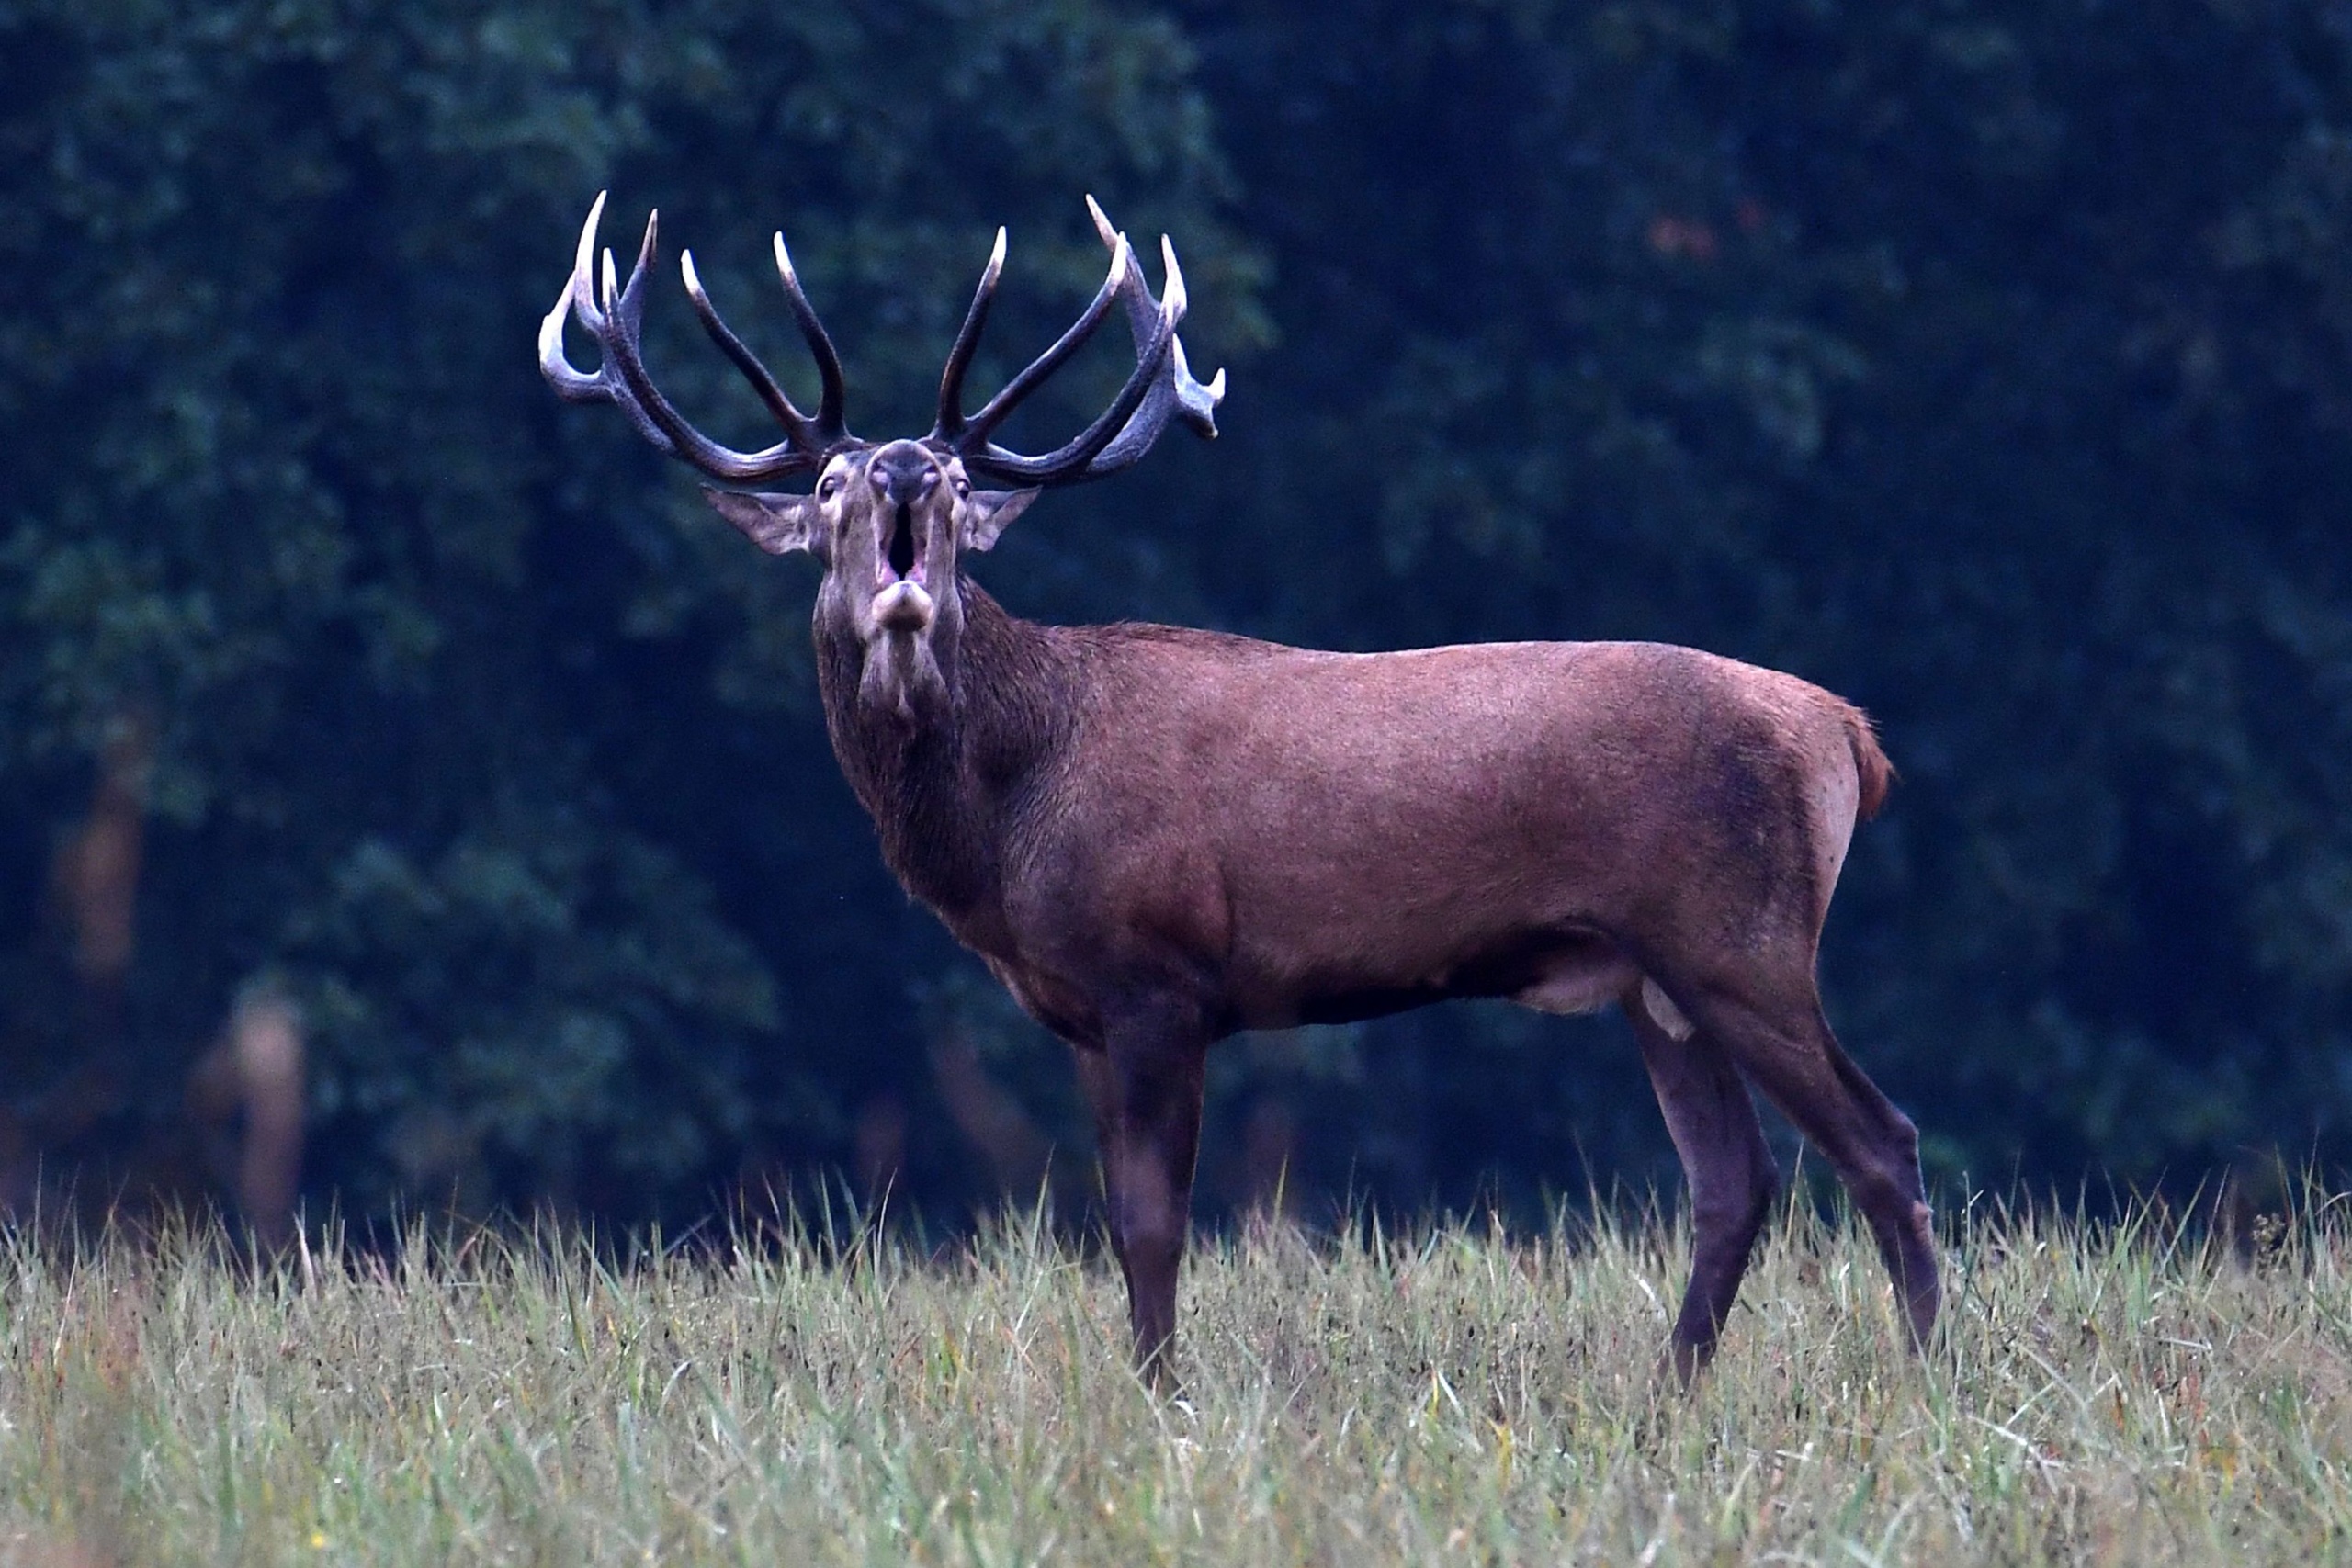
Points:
(1145, 1085)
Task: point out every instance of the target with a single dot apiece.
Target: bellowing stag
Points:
(1157, 837)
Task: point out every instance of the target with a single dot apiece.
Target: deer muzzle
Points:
(904, 607)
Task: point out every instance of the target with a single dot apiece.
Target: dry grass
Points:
(2106, 1394)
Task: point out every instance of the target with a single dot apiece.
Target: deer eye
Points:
(963, 490)
(828, 487)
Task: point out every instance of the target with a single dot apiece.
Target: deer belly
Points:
(1579, 982)
(1585, 986)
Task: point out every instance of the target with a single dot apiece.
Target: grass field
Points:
(2106, 1395)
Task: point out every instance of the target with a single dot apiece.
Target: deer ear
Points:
(777, 523)
(986, 512)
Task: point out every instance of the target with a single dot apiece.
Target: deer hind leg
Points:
(1725, 1162)
(1145, 1087)
(1779, 1039)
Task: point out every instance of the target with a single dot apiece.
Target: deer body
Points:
(1305, 836)
(1156, 837)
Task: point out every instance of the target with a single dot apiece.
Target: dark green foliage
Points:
(441, 673)
(1987, 363)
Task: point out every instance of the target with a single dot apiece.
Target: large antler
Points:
(615, 319)
(1160, 387)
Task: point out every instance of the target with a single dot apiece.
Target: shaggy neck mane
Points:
(944, 791)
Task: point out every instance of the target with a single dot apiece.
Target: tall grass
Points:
(2110, 1393)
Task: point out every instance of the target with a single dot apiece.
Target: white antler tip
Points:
(1122, 256)
(585, 258)
(687, 271)
(996, 253)
(1216, 386)
(612, 280)
(1172, 299)
(1102, 221)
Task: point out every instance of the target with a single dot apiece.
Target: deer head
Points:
(887, 520)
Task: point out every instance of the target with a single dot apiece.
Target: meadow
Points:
(2132, 1392)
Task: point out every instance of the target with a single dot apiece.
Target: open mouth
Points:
(901, 601)
(900, 555)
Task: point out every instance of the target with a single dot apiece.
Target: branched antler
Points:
(1160, 387)
(615, 319)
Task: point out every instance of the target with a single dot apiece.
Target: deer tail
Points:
(1871, 770)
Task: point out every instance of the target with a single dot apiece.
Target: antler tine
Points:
(830, 425)
(994, 413)
(577, 298)
(950, 423)
(584, 264)
(1143, 310)
(614, 318)
(1196, 403)
(794, 421)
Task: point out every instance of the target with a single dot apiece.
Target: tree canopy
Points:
(1984, 362)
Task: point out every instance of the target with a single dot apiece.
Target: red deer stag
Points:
(1157, 837)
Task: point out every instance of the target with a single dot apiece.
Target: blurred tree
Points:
(468, 727)
(1984, 361)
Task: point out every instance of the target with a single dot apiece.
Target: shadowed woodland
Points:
(409, 791)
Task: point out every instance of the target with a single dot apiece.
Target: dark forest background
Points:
(403, 767)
